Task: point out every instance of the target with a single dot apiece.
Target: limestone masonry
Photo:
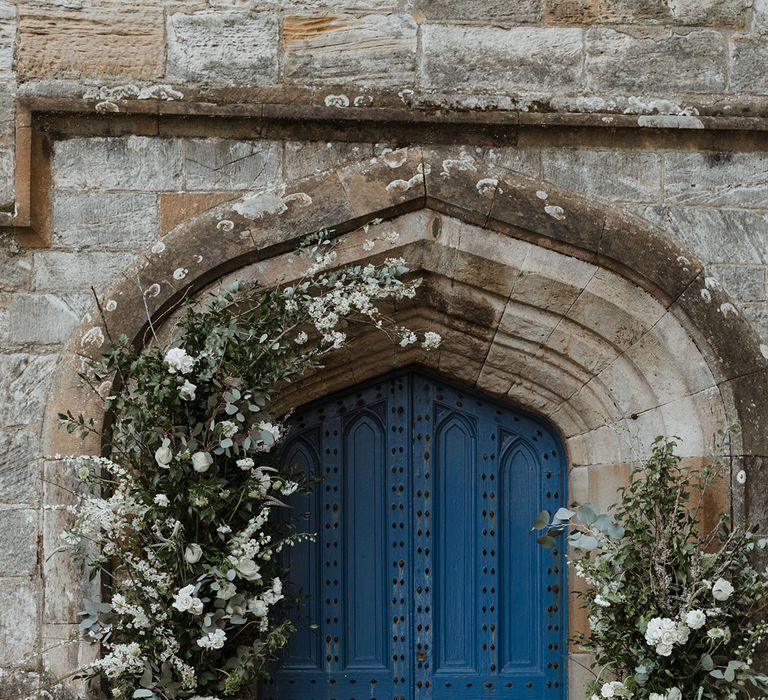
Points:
(582, 184)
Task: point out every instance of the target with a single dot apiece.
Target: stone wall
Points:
(667, 64)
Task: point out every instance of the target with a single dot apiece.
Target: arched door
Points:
(425, 582)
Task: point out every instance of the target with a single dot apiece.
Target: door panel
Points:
(425, 581)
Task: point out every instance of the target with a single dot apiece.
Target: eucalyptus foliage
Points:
(181, 519)
(674, 611)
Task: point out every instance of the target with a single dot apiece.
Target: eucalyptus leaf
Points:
(542, 520)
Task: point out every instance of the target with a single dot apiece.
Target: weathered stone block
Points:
(226, 47)
(744, 283)
(7, 111)
(18, 553)
(708, 13)
(133, 163)
(749, 63)
(24, 381)
(18, 684)
(19, 630)
(7, 170)
(20, 471)
(57, 270)
(526, 161)
(660, 63)
(731, 236)
(106, 219)
(487, 11)
(15, 268)
(304, 158)
(8, 23)
(610, 175)
(221, 164)
(108, 38)
(534, 58)
(377, 49)
(45, 318)
(725, 178)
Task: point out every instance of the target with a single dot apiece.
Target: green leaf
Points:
(587, 513)
(706, 662)
(587, 543)
(143, 693)
(542, 520)
(564, 514)
(546, 541)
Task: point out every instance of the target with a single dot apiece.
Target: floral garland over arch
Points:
(180, 520)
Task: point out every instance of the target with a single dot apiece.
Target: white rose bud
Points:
(193, 553)
(163, 454)
(721, 589)
(201, 461)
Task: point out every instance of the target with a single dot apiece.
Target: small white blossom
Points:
(201, 461)
(721, 589)
(391, 237)
(213, 640)
(301, 338)
(178, 360)
(162, 500)
(224, 529)
(187, 391)
(245, 463)
(228, 428)
(407, 338)
(368, 244)
(288, 488)
(602, 602)
(657, 696)
(695, 619)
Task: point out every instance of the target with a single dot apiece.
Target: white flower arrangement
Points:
(673, 612)
(183, 509)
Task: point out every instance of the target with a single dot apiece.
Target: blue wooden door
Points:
(425, 582)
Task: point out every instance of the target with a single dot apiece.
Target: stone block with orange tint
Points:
(94, 38)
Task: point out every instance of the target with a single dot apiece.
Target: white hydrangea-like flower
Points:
(301, 338)
(407, 338)
(245, 463)
(162, 500)
(187, 391)
(368, 244)
(186, 601)
(179, 361)
(213, 640)
(201, 461)
(271, 428)
(695, 619)
(722, 589)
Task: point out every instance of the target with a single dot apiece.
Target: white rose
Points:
(185, 601)
(201, 461)
(248, 569)
(228, 428)
(277, 585)
(187, 391)
(212, 640)
(258, 607)
(721, 589)
(163, 454)
(193, 552)
(664, 649)
(178, 361)
(609, 689)
(162, 500)
(682, 633)
(695, 619)
(674, 694)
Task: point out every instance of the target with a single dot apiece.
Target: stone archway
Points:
(586, 315)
